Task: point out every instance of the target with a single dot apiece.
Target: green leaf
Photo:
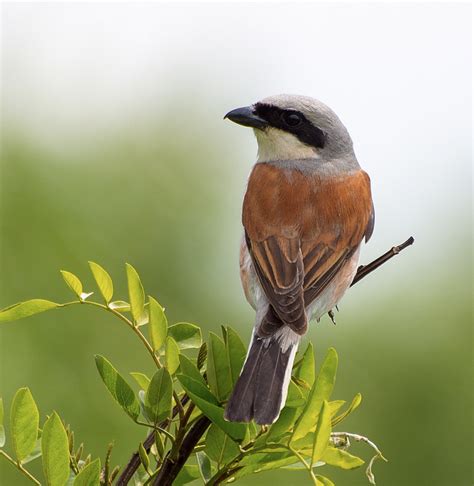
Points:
(26, 309)
(206, 402)
(158, 324)
(295, 397)
(35, 453)
(144, 318)
(144, 459)
(306, 369)
(252, 430)
(55, 449)
(158, 398)
(335, 405)
(264, 461)
(322, 433)
(24, 422)
(204, 465)
(198, 388)
(90, 475)
(103, 281)
(160, 448)
(135, 292)
(188, 474)
(142, 380)
(2, 428)
(189, 369)
(188, 336)
(216, 415)
(284, 423)
(321, 390)
(120, 306)
(340, 458)
(72, 282)
(141, 401)
(323, 481)
(171, 355)
(219, 446)
(218, 369)
(118, 387)
(236, 353)
(355, 403)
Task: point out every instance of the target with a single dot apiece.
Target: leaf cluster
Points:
(182, 406)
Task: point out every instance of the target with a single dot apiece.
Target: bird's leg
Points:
(332, 316)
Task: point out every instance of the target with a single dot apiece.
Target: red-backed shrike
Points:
(307, 208)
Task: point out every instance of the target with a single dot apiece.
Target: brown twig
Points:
(364, 270)
(134, 462)
(170, 468)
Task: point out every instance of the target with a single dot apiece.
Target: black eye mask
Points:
(293, 122)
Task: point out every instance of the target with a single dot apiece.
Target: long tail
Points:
(261, 389)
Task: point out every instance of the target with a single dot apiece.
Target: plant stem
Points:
(157, 428)
(19, 467)
(306, 465)
(225, 472)
(134, 462)
(170, 468)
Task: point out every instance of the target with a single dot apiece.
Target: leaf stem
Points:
(157, 428)
(305, 464)
(19, 467)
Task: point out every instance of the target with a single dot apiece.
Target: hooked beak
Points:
(246, 116)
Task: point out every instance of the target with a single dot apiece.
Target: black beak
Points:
(246, 116)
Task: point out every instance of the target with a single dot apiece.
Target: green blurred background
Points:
(114, 150)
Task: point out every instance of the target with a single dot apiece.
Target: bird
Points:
(306, 211)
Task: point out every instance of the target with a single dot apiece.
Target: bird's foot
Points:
(332, 316)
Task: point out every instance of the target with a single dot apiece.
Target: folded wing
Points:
(299, 239)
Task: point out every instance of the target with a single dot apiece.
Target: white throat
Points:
(275, 144)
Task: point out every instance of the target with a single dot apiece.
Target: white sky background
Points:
(398, 75)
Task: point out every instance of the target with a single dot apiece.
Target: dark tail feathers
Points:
(262, 384)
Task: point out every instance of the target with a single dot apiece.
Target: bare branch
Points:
(134, 462)
(364, 270)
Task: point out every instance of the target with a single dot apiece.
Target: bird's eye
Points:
(292, 119)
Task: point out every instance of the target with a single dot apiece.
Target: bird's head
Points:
(290, 127)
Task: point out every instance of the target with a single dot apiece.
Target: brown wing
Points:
(279, 266)
(300, 230)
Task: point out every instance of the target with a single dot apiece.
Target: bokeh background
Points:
(114, 149)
